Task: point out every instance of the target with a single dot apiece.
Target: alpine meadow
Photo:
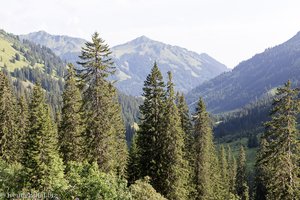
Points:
(81, 119)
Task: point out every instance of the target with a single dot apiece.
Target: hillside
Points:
(28, 63)
(251, 79)
(134, 60)
(66, 47)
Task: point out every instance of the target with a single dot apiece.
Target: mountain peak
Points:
(40, 32)
(141, 39)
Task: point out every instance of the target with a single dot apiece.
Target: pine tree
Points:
(9, 134)
(173, 177)
(242, 188)
(279, 155)
(207, 173)
(105, 133)
(151, 126)
(71, 128)
(43, 167)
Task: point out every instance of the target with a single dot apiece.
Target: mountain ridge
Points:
(135, 58)
(251, 79)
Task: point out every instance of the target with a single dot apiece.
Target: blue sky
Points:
(228, 30)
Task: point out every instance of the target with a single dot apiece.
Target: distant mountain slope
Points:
(66, 47)
(135, 59)
(251, 79)
(28, 63)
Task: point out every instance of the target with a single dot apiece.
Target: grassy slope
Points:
(7, 52)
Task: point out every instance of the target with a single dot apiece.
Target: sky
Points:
(228, 30)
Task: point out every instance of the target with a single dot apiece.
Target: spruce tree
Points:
(105, 132)
(23, 124)
(232, 170)
(133, 172)
(151, 126)
(9, 134)
(71, 128)
(261, 172)
(186, 125)
(43, 167)
(279, 155)
(173, 167)
(242, 188)
(224, 173)
(207, 173)
(185, 119)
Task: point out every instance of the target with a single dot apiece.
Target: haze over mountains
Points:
(251, 79)
(134, 60)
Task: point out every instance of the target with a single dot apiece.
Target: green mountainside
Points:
(28, 63)
(252, 79)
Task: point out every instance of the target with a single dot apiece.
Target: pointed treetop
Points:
(200, 106)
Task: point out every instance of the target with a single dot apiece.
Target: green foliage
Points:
(242, 189)
(71, 128)
(151, 126)
(224, 167)
(43, 167)
(142, 190)
(232, 171)
(207, 172)
(172, 181)
(86, 181)
(10, 138)
(10, 177)
(278, 158)
(105, 133)
(133, 172)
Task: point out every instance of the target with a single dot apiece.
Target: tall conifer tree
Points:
(261, 172)
(105, 132)
(207, 173)
(133, 171)
(43, 167)
(71, 128)
(9, 134)
(232, 170)
(23, 124)
(279, 156)
(186, 125)
(242, 188)
(173, 178)
(224, 173)
(151, 126)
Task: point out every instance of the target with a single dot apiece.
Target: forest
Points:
(73, 144)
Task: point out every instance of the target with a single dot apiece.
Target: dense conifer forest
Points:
(74, 136)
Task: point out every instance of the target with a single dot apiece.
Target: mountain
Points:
(134, 60)
(66, 47)
(27, 63)
(252, 79)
